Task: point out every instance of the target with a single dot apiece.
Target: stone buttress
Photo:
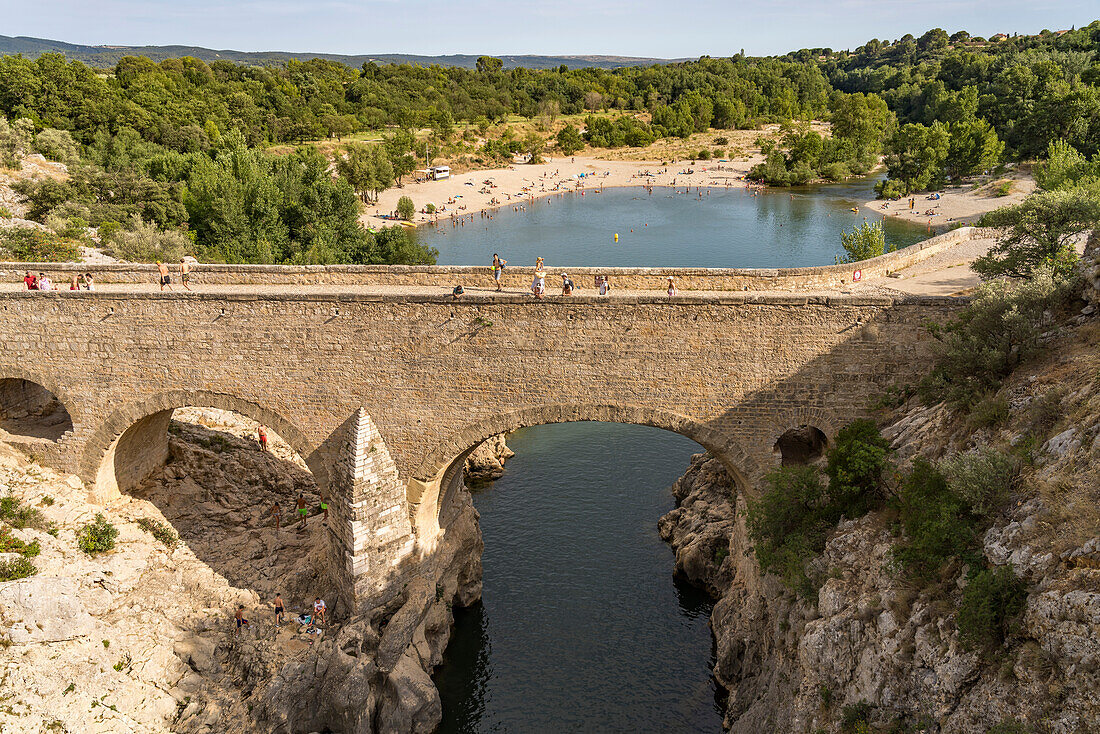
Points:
(371, 529)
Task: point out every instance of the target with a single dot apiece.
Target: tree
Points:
(569, 140)
(533, 146)
(366, 168)
(915, 156)
(57, 145)
(405, 208)
(1040, 231)
(15, 141)
(143, 242)
(486, 64)
(973, 147)
(864, 242)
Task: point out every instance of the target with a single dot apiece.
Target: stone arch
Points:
(438, 471)
(816, 422)
(133, 433)
(28, 391)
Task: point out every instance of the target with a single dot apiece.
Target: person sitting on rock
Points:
(319, 609)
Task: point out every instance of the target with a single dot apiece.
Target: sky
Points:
(653, 28)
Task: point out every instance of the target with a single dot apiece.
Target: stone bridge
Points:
(385, 394)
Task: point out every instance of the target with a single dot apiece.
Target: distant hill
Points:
(107, 56)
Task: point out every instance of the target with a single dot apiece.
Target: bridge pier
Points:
(372, 535)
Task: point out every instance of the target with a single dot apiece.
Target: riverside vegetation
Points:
(186, 146)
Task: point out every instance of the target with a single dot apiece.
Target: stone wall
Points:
(714, 279)
(436, 378)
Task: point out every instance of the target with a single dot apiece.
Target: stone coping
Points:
(273, 273)
(749, 298)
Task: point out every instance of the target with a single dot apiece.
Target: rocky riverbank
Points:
(878, 644)
(142, 638)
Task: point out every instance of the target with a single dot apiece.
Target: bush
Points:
(57, 145)
(16, 568)
(721, 141)
(864, 242)
(10, 544)
(990, 412)
(983, 478)
(6, 213)
(857, 464)
(787, 524)
(159, 530)
(938, 524)
(703, 155)
(430, 208)
(21, 516)
(142, 241)
(29, 244)
(991, 606)
(405, 208)
(999, 330)
(97, 537)
(890, 189)
(856, 718)
(835, 172)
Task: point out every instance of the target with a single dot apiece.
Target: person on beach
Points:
(261, 438)
(279, 610)
(302, 510)
(566, 285)
(319, 609)
(241, 621)
(31, 281)
(185, 273)
(671, 288)
(498, 269)
(165, 278)
(277, 513)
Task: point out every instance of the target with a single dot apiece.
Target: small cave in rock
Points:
(30, 411)
(801, 445)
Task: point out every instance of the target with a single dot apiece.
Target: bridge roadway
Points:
(384, 390)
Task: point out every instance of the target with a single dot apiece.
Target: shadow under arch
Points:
(133, 438)
(441, 471)
(28, 390)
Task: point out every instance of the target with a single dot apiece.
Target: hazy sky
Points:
(664, 28)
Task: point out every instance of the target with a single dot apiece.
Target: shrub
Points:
(996, 332)
(30, 244)
(97, 537)
(142, 241)
(21, 516)
(788, 524)
(16, 568)
(991, 606)
(857, 464)
(10, 544)
(835, 171)
(1011, 727)
(159, 530)
(405, 208)
(6, 213)
(864, 242)
(721, 140)
(57, 145)
(938, 524)
(856, 718)
(990, 412)
(1004, 188)
(703, 155)
(430, 208)
(983, 479)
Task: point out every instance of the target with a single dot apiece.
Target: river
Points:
(669, 228)
(582, 626)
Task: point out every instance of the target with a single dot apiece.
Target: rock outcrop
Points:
(793, 664)
(486, 462)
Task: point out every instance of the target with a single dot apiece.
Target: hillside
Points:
(108, 56)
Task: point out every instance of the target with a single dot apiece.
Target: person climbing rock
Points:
(241, 621)
(279, 610)
(277, 512)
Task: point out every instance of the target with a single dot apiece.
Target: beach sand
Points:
(966, 203)
(468, 193)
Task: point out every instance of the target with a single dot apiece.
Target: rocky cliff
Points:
(879, 649)
(141, 638)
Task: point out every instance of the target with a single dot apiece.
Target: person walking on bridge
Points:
(165, 278)
(498, 270)
(185, 273)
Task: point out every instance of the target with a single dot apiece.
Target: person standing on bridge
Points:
(185, 272)
(165, 278)
(671, 288)
(566, 285)
(498, 270)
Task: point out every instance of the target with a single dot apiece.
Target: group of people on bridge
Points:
(601, 283)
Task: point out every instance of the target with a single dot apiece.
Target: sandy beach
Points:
(476, 191)
(965, 203)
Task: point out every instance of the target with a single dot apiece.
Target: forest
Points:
(178, 155)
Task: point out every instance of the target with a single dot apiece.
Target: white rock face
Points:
(43, 610)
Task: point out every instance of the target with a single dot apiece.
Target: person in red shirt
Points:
(30, 281)
(261, 437)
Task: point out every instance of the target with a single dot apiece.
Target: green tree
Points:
(915, 156)
(533, 146)
(856, 467)
(864, 242)
(367, 168)
(405, 208)
(486, 64)
(973, 147)
(1039, 231)
(57, 145)
(569, 140)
